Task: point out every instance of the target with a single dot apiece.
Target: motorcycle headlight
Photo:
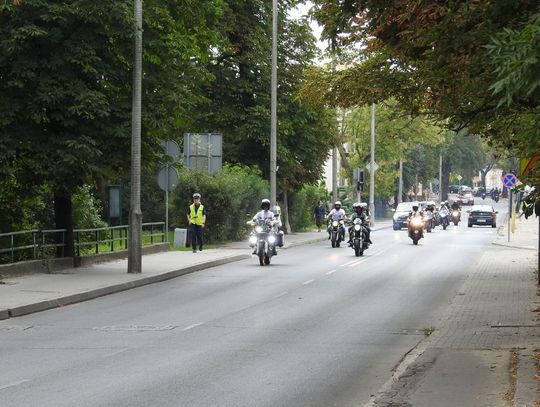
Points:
(356, 227)
(416, 222)
(258, 229)
(253, 239)
(271, 239)
(455, 213)
(335, 223)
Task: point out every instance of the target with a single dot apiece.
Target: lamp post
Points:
(135, 212)
(273, 120)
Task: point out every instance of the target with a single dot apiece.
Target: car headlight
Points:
(335, 223)
(356, 227)
(258, 229)
(271, 239)
(416, 222)
(253, 239)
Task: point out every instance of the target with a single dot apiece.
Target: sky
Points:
(301, 11)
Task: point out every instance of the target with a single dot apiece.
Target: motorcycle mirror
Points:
(393, 209)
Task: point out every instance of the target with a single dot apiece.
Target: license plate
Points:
(481, 221)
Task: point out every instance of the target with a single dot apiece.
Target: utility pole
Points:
(416, 187)
(400, 186)
(135, 212)
(273, 120)
(372, 169)
(440, 177)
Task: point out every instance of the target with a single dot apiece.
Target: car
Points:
(401, 214)
(466, 198)
(482, 215)
(453, 189)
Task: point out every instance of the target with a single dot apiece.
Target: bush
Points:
(87, 209)
(231, 198)
(301, 205)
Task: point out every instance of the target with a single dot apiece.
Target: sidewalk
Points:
(485, 351)
(38, 292)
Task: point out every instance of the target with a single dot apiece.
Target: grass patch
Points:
(428, 330)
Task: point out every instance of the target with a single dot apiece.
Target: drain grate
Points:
(136, 328)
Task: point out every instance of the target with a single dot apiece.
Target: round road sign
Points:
(509, 180)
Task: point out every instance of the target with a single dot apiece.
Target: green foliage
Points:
(301, 205)
(231, 197)
(87, 209)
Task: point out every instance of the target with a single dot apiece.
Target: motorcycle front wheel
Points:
(267, 260)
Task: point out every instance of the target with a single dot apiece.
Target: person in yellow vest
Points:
(196, 220)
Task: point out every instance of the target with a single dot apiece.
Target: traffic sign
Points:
(509, 180)
(459, 177)
(167, 178)
(171, 150)
(373, 166)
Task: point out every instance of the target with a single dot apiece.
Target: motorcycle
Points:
(337, 232)
(456, 217)
(429, 221)
(496, 197)
(358, 237)
(263, 239)
(416, 229)
(444, 215)
(483, 195)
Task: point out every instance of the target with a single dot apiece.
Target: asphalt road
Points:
(319, 327)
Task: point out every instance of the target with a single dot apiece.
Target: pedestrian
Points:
(196, 220)
(320, 213)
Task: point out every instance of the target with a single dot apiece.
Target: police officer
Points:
(196, 220)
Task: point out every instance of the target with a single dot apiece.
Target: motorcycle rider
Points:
(456, 207)
(337, 214)
(265, 214)
(415, 212)
(430, 207)
(361, 211)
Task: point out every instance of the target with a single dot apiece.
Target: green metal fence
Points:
(39, 244)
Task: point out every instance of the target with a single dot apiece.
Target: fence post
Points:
(42, 244)
(78, 240)
(97, 244)
(63, 243)
(12, 244)
(164, 231)
(34, 242)
(112, 240)
(151, 234)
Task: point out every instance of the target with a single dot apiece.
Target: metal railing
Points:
(37, 244)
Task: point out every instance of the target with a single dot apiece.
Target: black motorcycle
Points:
(496, 197)
(416, 229)
(358, 233)
(263, 239)
(337, 232)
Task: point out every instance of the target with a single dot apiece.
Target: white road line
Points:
(187, 328)
(116, 353)
(331, 272)
(14, 384)
(307, 282)
(356, 263)
(282, 294)
(346, 264)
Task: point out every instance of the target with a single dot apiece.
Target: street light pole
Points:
(273, 120)
(400, 186)
(135, 212)
(372, 169)
(440, 177)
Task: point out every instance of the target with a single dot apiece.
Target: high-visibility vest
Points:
(196, 217)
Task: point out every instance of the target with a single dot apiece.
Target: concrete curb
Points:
(526, 386)
(4, 314)
(514, 247)
(100, 292)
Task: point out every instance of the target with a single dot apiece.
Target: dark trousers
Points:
(196, 236)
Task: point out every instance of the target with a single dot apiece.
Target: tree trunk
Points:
(286, 224)
(344, 159)
(63, 216)
(445, 181)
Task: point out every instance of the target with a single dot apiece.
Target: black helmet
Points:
(415, 207)
(265, 204)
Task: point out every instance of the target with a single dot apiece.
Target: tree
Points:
(65, 87)
(431, 56)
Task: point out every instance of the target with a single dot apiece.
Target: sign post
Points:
(509, 181)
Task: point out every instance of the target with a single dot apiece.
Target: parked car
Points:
(453, 189)
(401, 214)
(482, 215)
